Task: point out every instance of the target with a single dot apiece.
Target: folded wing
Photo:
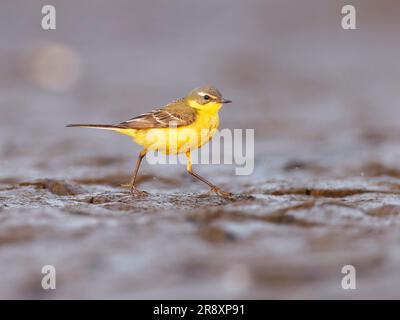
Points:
(174, 115)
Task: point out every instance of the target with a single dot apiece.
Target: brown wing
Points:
(175, 115)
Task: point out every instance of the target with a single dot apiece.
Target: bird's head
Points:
(206, 98)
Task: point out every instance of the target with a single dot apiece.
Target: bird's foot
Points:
(135, 191)
(138, 193)
(221, 193)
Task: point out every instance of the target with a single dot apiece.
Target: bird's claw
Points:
(135, 191)
(221, 193)
(138, 193)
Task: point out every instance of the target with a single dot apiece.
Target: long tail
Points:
(97, 126)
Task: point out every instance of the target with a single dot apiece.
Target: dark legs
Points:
(214, 188)
(142, 154)
(132, 185)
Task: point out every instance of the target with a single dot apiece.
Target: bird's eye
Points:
(206, 97)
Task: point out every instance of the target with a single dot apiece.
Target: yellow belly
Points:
(177, 140)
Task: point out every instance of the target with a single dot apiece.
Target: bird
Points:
(178, 127)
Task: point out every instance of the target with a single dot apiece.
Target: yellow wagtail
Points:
(194, 120)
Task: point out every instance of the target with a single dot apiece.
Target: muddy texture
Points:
(325, 191)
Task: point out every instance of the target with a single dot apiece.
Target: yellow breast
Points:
(181, 139)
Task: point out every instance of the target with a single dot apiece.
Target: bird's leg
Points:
(132, 185)
(214, 188)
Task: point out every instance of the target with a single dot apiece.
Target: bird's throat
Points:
(211, 107)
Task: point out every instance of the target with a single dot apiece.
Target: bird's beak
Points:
(225, 101)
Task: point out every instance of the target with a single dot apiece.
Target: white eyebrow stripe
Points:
(202, 93)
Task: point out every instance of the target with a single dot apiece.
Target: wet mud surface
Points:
(275, 238)
(325, 191)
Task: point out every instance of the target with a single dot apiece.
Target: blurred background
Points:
(324, 103)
